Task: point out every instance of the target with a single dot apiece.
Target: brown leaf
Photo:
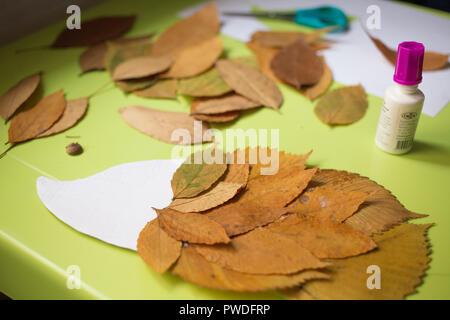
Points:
(431, 60)
(402, 257)
(94, 31)
(94, 57)
(322, 236)
(381, 210)
(17, 95)
(297, 65)
(276, 39)
(141, 67)
(191, 227)
(342, 106)
(157, 248)
(120, 52)
(164, 88)
(74, 111)
(434, 61)
(30, 123)
(223, 104)
(326, 201)
(250, 83)
(161, 125)
(201, 26)
(261, 252)
(196, 59)
(190, 179)
(316, 90)
(221, 117)
(207, 84)
(191, 266)
(234, 180)
(240, 217)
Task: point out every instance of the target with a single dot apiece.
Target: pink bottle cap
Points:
(408, 69)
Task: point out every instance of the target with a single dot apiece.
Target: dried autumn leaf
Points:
(297, 64)
(94, 57)
(234, 180)
(141, 67)
(196, 59)
(431, 60)
(342, 106)
(94, 31)
(279, 189)
(316, 90)
(322, 236)
(164, 88)
(221, 117)
(157, 248)
(402, 256)
(261, 252)
(279, 39)
(223, 104)
(381, 210)
(191, 179)
(326, 201)
(161, 125)
(250, 83)
(191, 227)
(212, 198)
(265, 56)
(240, 217)
(201, 26)
(74, 111)
(30, 123)
(17, 95)
(120, 52)
(191, 266)
(207, 84)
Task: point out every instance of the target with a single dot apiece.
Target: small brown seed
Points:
(74, 149)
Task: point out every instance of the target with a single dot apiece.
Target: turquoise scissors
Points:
(320, 17)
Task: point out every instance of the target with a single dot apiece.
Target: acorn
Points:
(74, 149)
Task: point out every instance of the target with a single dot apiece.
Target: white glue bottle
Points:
(403, 101)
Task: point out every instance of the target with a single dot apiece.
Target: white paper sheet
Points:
(354, 58)
(113, 205)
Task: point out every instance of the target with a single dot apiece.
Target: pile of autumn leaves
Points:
(311, 233)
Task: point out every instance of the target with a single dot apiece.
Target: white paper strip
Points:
(113, 205)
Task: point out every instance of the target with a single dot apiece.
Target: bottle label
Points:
(396, 127)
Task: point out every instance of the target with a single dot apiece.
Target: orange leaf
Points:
(223, 104)
(141, 67)
(30, 123)
(195, 59)
(326, 201)
(261, 252)
(191, 266)
(316, 90)
(17, 95)
(74, 111)
(323, 237)
(161, 89)
(380, 211)
(201, 26)
(402, 258)
(191, 227)
(157, 248)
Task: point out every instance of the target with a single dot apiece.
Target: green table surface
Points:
(36, 248)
